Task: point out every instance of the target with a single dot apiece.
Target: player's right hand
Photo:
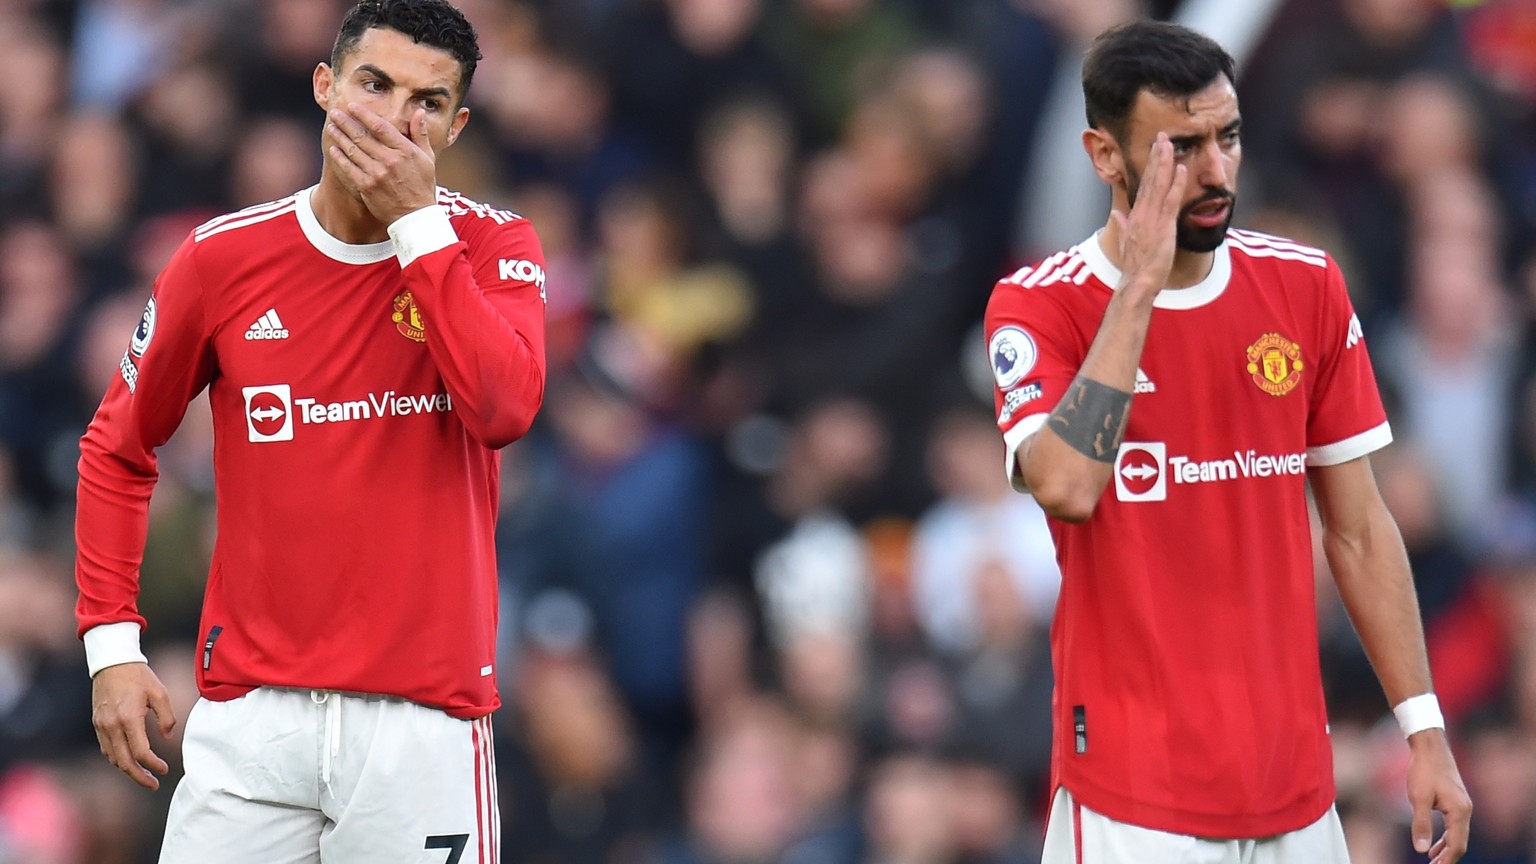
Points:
(1149, 234)
(121, 698)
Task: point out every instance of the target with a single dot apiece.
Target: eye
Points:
(431, 104)
(373, 85)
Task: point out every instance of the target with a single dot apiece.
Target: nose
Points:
(1210, 170)
(399, 115)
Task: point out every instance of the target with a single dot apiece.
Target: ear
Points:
(323, 79)
(1105, 154)
(460, 118)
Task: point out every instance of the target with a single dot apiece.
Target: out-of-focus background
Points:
(767, 596)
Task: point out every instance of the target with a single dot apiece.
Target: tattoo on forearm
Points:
(1091, 418)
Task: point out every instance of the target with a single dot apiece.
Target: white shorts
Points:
(303, 777)
(1077, 835)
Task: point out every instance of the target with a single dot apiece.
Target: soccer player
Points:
(368, 344)
(1167, 389)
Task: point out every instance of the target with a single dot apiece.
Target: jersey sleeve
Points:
(168, 361)
(1033, 359)
(1346, 419)
(482, 297)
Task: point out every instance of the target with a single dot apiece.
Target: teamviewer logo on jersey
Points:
(269, 413)
(1140, 471)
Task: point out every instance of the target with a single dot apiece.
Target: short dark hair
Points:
(1167, 60)
(429, 22)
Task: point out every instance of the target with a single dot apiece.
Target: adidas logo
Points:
(1143, 383)
(268, 326)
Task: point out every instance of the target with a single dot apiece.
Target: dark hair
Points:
(435, 23)
(1164, 59)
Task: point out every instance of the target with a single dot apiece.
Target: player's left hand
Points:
(394, 175)
(1435, 784)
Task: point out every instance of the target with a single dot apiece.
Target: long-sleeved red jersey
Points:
(359, 396)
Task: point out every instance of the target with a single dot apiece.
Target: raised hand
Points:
(394, 175)
(1148, 236)
(121, 698)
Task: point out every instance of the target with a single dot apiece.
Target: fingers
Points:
(419, 131)
(372, 132)
(1422, 828)
(1457, 808)
(121, 698)
(1165, 180)
(114, 733)
(353, 173)
(357, 145)
(1175, 198)
(165, 715)
(1153, 185)
(143, 757)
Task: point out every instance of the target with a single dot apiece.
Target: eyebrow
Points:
(1190, 140)
(390, 82)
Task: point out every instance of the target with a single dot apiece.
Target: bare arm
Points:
(1067, 464)
(1370, 565)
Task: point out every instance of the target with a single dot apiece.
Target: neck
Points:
(1189, 268)
(343, 214)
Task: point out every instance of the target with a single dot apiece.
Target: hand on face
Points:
(392, 174)
(1148, 234)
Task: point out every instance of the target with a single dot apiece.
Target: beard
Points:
(1188, 236)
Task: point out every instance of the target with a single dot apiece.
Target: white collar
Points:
(346, 253)
(1193, 297)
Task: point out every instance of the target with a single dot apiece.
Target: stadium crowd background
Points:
(767, 597)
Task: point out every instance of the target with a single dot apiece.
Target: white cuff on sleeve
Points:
(421, 232)
(1418, 713)
(112, 645)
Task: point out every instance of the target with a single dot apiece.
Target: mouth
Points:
(1210, 214)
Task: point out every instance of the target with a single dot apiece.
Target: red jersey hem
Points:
(1216, 826)
(228, 692)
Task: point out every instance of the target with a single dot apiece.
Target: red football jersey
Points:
(1188, 693)
(359, 395)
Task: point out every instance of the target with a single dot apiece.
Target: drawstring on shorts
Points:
(332, 745)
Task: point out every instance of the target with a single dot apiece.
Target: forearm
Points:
(1371, 569)
(1068, 462)
(492, 367)
(111, 520)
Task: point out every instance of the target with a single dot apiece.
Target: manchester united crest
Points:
(1275, 364)
(407, 318)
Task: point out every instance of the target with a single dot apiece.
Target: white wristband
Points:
(112, 645)
(1418, 713)
(422, 232)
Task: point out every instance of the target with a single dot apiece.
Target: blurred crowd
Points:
(767, 596)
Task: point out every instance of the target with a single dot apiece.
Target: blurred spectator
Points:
(574, 776)
(836, 49)
(39, 302)
(1450, 361)
(980, 525)
(119, 48)
(677, 61)
(1501, 775)
(906, 819)
(33, 60)
(45, 697)
(94, 190)
(276, 57)
(741, 798)
(621, 503)
(274, 157)
(188, 128)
